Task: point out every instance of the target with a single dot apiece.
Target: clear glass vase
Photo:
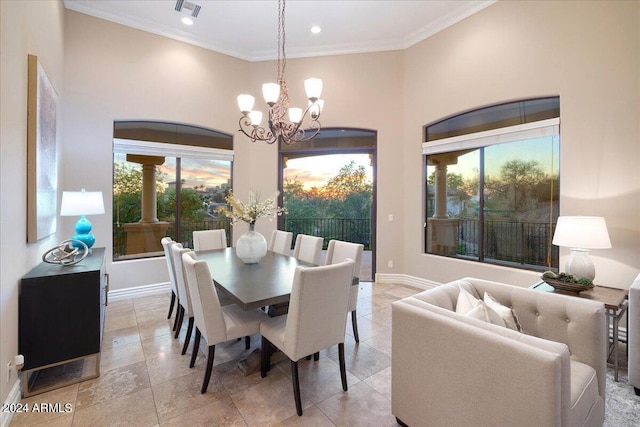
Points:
(251, 246)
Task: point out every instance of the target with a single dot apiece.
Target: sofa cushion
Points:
(483, 312)
(507, 314)
(466, 302)
(584, 392)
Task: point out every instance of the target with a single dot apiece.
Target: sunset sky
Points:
(316, 171)
(313, 171)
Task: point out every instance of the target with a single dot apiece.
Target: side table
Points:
(616, 303)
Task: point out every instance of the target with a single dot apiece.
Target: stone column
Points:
(441, 191)
(149, 202)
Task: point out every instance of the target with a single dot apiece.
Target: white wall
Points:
(587, 53)
(37, 28)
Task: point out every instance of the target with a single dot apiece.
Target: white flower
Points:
(254, 209)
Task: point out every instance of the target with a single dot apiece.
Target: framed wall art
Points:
(42, 164)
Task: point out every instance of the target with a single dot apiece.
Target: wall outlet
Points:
(390, 264)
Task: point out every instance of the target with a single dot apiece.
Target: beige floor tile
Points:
(134, 409)
(361, 406)
(169, 367)
(182, 394)
(311, 417)
(401, 292)
(113, 322)
(113, 384)
(164, 345)
(381, 342)
(381, 382)
(118, 337)
(318, 380)
(155, 328)
(366, 328)
(363, 360)
(270, 402)
(36, 408)
(219, 413)
(382, 316)
(122, 355)
(120, 307)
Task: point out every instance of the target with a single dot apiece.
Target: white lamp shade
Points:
(313, 87)
(256, 117)
(271, 92)
(245, 103)
(81, 203)
(317, 106)
(295, 115)
(585, 232)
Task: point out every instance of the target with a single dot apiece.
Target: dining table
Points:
(250, 286)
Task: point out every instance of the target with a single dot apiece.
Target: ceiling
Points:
(248, 29)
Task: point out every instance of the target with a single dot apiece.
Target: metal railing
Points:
(356, 230)
(525, 243)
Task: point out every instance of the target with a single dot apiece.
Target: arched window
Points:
(492, 184)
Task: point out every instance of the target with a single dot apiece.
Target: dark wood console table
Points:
(61, 319)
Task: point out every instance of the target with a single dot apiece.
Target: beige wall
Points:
(115, 72)
(585, 52)
(37, 28)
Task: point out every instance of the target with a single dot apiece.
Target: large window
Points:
(491, 185)
(163, 189)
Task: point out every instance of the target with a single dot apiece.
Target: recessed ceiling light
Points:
(187, 21)
(315, 29)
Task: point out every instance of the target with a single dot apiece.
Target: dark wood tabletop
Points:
(252, 286)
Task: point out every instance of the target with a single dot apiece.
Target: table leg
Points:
(616, 321)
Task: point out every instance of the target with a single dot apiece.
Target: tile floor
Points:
(146, 382)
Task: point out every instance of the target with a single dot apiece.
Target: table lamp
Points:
(82, 203)
(581, 233)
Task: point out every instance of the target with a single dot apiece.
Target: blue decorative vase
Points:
(251, 246)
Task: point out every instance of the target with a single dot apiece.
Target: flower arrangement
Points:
(254, 209)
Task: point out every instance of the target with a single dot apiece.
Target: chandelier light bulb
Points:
(313, 87)
(255, 117)
(295, 115)
(245, 103)
(271, 92)
(319, 104)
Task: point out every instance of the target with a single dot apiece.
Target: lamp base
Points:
(580, 265)
(83, 232)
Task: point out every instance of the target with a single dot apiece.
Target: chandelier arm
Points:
(255, 133)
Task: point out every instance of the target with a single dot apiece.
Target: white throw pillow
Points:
(466, 302)
(507, 314)
(483, 312)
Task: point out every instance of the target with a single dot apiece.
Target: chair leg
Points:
(316, 356)
(173, 302)
(265, 357)
(175, 321)
(207, 374)
(181, 318)
(637, 390)
(354, 324)
(343, 368)
(247, 342)
(296, 386)
(196, 347)
(188, 337)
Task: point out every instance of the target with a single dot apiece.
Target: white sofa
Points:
(634, 335)
(452, 370)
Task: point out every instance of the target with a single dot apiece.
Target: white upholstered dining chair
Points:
(216, 323)
(206, 240)
(338, 251)
(308, 248)
(281, 242)
(184, 307)
(316, 320)
(166, 246)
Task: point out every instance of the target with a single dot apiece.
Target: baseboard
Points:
(14, 397)
(405, 279)
(139, 291)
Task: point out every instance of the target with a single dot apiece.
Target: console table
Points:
(61, 319)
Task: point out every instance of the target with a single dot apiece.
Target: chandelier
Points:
(276, 96)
